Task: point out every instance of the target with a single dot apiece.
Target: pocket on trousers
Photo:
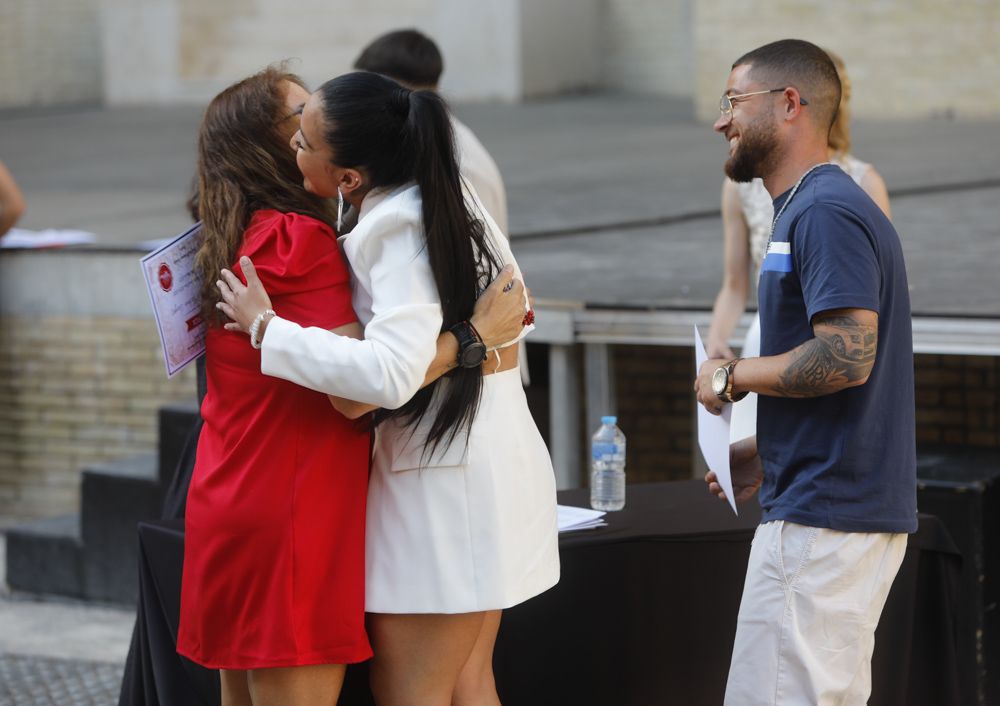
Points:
(795, 544)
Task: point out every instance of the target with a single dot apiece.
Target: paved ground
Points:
(60, 653)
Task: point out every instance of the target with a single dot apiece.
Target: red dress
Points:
(274, 554)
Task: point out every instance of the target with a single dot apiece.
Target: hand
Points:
(499, 312)
(745, 468)
(703, 385)
(718, 349)
(242, 303)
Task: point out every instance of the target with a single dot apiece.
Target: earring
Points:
(340, 210)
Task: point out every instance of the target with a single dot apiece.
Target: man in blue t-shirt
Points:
(834, 455)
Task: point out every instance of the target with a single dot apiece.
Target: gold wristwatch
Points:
(722, 382)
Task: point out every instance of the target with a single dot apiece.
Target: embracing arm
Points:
(840, 355)
(732, 298)
(497, 317)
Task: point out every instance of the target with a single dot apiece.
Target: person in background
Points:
(834, 457)
(11, 200)
(746, 221)
(413, 59)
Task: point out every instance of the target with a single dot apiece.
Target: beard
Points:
(756, 154)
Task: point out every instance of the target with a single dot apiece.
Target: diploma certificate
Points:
(175, 292)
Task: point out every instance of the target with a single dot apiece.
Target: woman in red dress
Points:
(273, 582)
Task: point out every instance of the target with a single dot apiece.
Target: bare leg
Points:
(476, 685)
(235, 689)
(418, 657)
(314, 685)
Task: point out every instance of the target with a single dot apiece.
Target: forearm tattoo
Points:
(841, 354)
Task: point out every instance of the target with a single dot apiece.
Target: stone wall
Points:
(81, 373)
(907, 58)
(50, 52)
(75, 391)
(647, 46)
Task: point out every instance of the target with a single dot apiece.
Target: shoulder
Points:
(269, 224)
(289, 241)
(853, 167)
(401, 204)
(469, 146)
(390, 220)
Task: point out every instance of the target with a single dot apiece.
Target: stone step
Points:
(114, 498)
(46, 556)
(94, 554)
(175, 424)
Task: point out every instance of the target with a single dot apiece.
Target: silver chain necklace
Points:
(795, 188)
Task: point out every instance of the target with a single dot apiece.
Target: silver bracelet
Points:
(255, 326)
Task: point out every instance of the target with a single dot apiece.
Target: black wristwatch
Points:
(471, 349)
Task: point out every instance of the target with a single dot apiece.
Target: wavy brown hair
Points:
(244, 165)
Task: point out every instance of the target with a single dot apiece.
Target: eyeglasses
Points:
(295, 113)
(726, 102)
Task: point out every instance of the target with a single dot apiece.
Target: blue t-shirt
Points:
(844, 461)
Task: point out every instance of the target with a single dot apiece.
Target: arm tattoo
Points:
(841, 355)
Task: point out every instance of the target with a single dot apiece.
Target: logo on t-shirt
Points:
(778, 258)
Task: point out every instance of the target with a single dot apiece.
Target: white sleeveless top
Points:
(758, 209)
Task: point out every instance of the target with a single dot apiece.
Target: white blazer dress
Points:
(471, 527)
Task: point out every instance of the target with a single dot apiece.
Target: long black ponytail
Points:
(397, 135)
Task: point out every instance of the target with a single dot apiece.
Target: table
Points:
(644, 614)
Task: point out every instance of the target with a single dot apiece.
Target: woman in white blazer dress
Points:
(461, 504)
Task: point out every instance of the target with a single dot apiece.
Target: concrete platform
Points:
(629, 185)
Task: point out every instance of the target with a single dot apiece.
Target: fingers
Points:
(232, 280)
(228, 296)
(713, 407)
(503, 279)
(226, 309)
(249, 271)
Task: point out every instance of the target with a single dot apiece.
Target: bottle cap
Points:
(609, 420)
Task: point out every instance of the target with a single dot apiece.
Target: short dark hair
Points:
(406, 56)
(802, 64)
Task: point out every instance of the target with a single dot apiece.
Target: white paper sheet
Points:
(175, 292)
(50, 238)
(713, 431)
(578, 518)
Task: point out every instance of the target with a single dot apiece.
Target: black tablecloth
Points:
(644, 614)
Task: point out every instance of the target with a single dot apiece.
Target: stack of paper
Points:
(51, 238)
(578, 518)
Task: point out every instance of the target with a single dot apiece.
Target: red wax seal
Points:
(165, 276)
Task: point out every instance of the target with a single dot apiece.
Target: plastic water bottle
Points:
(607, 466)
